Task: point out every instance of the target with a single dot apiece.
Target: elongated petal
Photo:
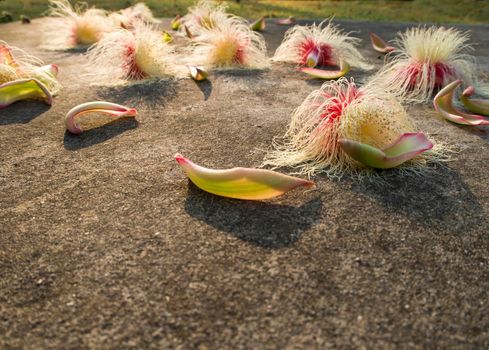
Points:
(406, 147)
(95, 107)
(198, 73)
(167, 37)
(379, 44)
(443, 103)
(258, 25)
(24, 89)
(176, 22)
(327, 74)
(188, 32)
(51, 69)
(241, 183)
(285, 21)
(474, 105)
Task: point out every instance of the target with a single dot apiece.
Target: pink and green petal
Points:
(24, 89)
(379, 44)
(113, 109)
(241, 183)
(327, 74)
(443, 103)
(406, 147)
(198, 73)
(474, 105)
(258, 25)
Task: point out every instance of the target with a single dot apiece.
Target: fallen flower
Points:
(327, 74)
(95, 107)
(241, 183)
(198, 73)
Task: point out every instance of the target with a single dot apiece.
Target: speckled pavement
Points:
(104, 244)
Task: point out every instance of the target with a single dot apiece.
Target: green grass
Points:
(435, 11)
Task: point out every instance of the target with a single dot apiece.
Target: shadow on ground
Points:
(22, 112)
(99, 134)
(149, 93)
(265, 224)
(438, 200)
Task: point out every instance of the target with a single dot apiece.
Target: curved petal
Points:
(240, 183)
(285, 21)
(474, 105)
(443, 103)
(95, 107)
(24, 89)
(176, 22)
(327, 74)
(188, 32)
(198, 73)
(406, 147)
(167, 37)
(379, 44)
(258, 25)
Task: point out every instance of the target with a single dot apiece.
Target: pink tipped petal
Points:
(406, 147)
(24, 89)
(259, 25)
(176, 22)
(474, 105)
(241, 183)
(328, 74)
(379, 44)
(443, 103)
(113, 109)
(52, 69)
(285, 21)
(198, 73)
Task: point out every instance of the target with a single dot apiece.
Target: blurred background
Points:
(433, 11)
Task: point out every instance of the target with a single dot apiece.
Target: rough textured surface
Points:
(105, 244)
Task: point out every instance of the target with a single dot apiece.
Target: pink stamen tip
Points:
(469, 91)
(180, 159)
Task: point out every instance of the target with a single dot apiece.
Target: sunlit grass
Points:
(433, 11)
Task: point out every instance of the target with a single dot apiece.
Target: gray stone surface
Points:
(105, 244)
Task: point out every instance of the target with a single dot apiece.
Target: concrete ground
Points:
(105, 243)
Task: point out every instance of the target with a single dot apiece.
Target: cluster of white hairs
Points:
(15, 64)
(199, 16)
(329, 41)
(427, 59)
(135, 54)
(339, 110)
(129, 17)
(229, 42)
(69, 26)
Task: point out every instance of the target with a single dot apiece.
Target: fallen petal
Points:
(379, 44)
(285, 21)
(406, 147)
(443, 103)
(175, 23)
(188, 32)
(259, 25)
(6, 56)
(475, 105)
(198, 73)
(52, 69)
(327, 74)
(95, 107)
(24, 89)
(241, 183)
(167, 37)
